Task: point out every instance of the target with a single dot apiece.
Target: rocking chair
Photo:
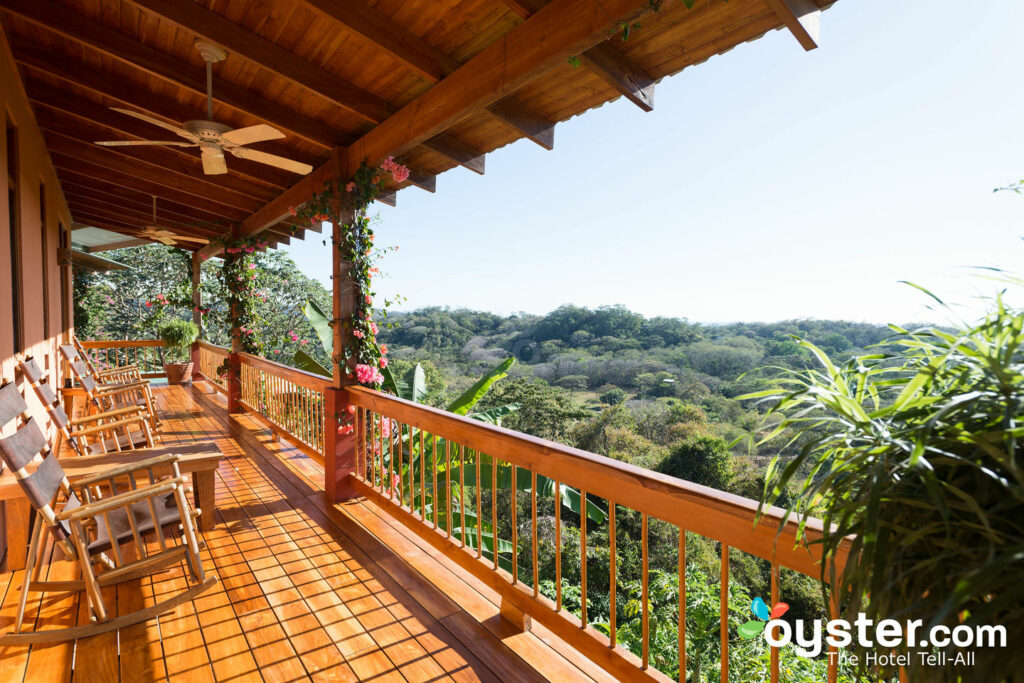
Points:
(90, 529)
(109, 395)
(113, 430)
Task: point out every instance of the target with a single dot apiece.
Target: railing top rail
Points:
(709, 512)
(300, 377)
(213, 347)
(119, 343)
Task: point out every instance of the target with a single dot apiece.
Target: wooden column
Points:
(339, 450)
(197, 317)
(234, 361)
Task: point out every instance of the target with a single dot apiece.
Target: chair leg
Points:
(196, 562)
(31, 572)
(92, 589)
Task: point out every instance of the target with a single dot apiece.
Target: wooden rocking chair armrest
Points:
(85, 419)
(135, 419)
(122, 470)
(110, 390)
(118, 369)
(97, 507)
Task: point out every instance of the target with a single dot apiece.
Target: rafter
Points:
(56, 18)
(802, 18)
(117, 245)
(254, 47)
(550, 36)
(606, 60)
(524, 120)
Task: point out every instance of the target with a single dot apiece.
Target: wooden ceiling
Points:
(437, 83)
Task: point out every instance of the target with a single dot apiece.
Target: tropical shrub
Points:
(178, 337)
(915, 454)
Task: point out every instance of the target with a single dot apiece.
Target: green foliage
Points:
(613, 397)
(915, 453)
(701, 459)
(178, 337)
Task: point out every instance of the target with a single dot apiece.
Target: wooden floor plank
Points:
(306, 590)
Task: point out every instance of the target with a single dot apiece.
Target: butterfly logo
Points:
(752, 628)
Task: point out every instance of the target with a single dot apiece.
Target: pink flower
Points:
(351, 187)
(292, 211)
(252, 266)
(373, 328)
(383, 362)
(351, 409)
(345, 429)
(358, 334)
(277, 350)
(369, 299)
(385, 428)
(384, 349)
(249, 250)
(304, 341)
(149, 304)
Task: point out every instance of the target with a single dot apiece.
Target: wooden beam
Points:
(389, 198)
(55, 18)
(117, 245)
(802, 18)
(424, 181)
(549, 37)
(254, 47)
(144, 185)
(378, 30)
(514, 113)
(458, 151)
(57, 102)
(607, 61)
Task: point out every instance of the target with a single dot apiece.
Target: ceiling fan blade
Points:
(270, 160)
(157, 122)
(213, 162)
(201, 240)
(251, 134)
(139, 143)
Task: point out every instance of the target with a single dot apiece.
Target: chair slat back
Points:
(48, 397)
(83, 355)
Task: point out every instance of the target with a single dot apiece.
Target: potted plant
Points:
(178, 337)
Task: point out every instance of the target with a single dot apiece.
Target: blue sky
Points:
(768, 183)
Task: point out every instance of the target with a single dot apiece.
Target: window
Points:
(45, 242)
(13, 220)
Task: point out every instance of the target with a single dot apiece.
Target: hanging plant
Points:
(242, 279)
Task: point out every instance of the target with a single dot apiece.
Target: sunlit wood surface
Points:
(306, 590)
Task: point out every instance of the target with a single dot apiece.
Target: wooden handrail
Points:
(219, 350)
(120, 343)
(718, 515)
(299, 377)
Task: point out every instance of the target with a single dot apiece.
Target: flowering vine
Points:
(241, 277)
(346, 203)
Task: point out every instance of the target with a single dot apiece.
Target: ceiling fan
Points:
(212, 137)
(157, 234)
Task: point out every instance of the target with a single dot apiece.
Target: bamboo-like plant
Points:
(915, 455)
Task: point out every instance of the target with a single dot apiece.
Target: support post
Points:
(234, 360)
(339, 449)
(197, 317)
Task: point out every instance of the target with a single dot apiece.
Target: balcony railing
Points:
(469, 488)
(147, 354)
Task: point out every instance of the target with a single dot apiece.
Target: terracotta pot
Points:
(178, 373)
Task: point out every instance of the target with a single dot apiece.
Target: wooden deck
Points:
(306, 591)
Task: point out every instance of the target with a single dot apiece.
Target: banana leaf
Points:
(304, 361)
(321, 323)
(463, 404)
(493, 415)
(417, 381)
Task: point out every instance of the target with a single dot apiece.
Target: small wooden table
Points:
(200, 459)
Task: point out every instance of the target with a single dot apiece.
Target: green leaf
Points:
(493, 415)
(417, 381)
(463, 404)
(304, 361)
(321, 323)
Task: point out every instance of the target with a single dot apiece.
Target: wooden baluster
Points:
(433, 471)
(479, 511)
(412, 473)
(774, 662)
(448, 485)
(583, 559)
(462, 491)
(423, 474)
(494, 511)
(515, 525)
(391, 458)
(723, 612)
(612, 587)
(558, 547)
(682, 605)
(360, 445)
(533, 530)
(644, 596)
